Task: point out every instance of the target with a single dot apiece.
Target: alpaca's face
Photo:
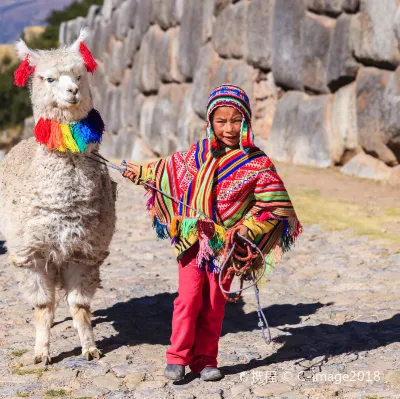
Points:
(60, 85)
(60, 81)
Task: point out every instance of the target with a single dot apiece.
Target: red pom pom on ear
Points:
(88, 59)
(22, 73)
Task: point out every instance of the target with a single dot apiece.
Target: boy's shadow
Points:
(148, 320)
(3, 249)
(310, 342)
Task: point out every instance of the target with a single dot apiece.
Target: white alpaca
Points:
(57, 209)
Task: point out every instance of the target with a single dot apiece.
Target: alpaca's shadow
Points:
(3, 249)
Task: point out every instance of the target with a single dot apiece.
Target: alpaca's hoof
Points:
(18, 261)
(92, 353)
(45, 359)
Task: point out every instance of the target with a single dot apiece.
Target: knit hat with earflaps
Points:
(228, 95)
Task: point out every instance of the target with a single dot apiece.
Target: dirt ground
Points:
(332, 305)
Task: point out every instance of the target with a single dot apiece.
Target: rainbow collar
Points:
(72, 137)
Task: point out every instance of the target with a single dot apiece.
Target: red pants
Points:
(198, 315)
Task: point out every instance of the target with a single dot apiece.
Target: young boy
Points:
(223, 182)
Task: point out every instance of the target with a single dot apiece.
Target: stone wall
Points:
(322, 76)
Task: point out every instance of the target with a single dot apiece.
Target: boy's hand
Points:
(244, 231)
(132, 172)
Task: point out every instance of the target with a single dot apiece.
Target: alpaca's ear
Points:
(78, 45)
(23, 50)
(29, 59)
(83, 35)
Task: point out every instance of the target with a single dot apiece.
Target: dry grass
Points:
(333, 214)
(33, 32)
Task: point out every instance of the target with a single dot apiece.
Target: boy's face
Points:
(227, 122)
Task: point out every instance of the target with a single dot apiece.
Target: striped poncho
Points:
(222, 191)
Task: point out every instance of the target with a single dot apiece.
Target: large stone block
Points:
(243, 75)
(367, 167)
(287, 43)
(128, 50)
(168, 54)
(93, 12)
(238, 41)
(391, 114)
(220, 5)
(146, 119)
(142, 19)
(62, 33)
(102, 35)
(342, 66)
(148, 79)
(113, 120)
(375, 101)
(115, 66)
(314, 132)
(333, 7)
(302, 130)
(131, 46)
(317, 37)
(163, 11)
(164, 127)
(133, 118)
(190, 37)
(107, 9)
(73, 28)
(208, 20)
(141, 151)
(99, 80)
(123, 143)
(329, 7)
(222, 33)
(282, 139)
(91, 40)
(204, 79)
(129, 100)
(377, 43)
(125, 16)
(394, 178)
(177, 12)
(351, 6)
(259, 33)
(344, 123)
(264, 103)
(191, 127)
(230, 31)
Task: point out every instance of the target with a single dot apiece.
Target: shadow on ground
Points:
(148, 320)
(3, 249)
(327, 340)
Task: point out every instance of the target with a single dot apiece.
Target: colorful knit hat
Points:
(228, 95)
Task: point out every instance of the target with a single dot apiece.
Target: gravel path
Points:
(332, 305)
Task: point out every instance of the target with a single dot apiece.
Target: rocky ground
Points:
(332, 305)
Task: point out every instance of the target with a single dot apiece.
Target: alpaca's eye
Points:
(50, 80)
(79, 77)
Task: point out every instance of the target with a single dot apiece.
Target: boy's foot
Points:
(210, 374)
(174, 372)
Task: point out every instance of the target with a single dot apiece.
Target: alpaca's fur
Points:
(57, 209)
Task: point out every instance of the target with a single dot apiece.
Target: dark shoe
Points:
(174, 372)
(210, 374)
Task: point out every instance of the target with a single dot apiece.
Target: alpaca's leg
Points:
(39, 287)
(80, 283)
